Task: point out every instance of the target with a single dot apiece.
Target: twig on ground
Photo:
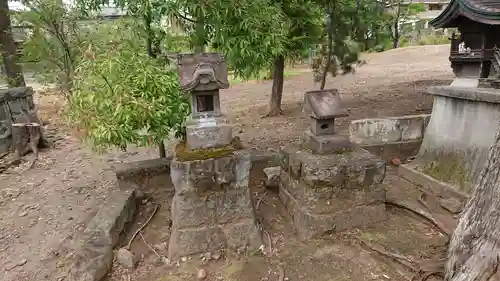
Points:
(269, 241)
(422, 213)
(142, 227)
(423, 277)
(149, 246)
(421, 200)
(394, 256)
(281, 273)
(422, 272)
(260, 200)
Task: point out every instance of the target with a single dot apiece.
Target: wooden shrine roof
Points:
(482, 11)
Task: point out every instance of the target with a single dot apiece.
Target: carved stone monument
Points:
(202, 75)
(328, 185)
(212, 207)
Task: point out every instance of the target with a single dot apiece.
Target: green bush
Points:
(122, 96)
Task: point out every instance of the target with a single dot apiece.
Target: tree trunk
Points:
(474, 249)
(200, 34)
(395, 34)
(277, 90)
(152, 53)
(8, 49)
(161, 149)
(395, 38)
(328, 54)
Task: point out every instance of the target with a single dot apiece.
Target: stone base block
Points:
(314, 225)
(333, 192)
(208, 133)
(189, 241)
(328, 143)
(212, 207)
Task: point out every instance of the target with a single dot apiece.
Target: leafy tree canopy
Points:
(124, 96)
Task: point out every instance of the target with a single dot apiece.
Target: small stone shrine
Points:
(212, 207)
(328, 185)
(323, 108)
(202, 75)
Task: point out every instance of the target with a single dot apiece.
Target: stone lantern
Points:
(323, 107)
(202, 75)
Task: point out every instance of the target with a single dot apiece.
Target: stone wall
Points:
(148, 175)
(462, 126)
(390, 137)
(154, 174)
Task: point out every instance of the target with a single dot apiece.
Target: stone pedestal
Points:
(208, 132)
(212, 207)
(461, 130)
(332, 192)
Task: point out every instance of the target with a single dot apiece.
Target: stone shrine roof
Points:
(482, 11)
(325, 104)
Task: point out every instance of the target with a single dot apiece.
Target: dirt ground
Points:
(42, 207)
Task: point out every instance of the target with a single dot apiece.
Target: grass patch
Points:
(449, 168)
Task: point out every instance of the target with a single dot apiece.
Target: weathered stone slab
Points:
(334, 192)
(208, 133)
(325, 144)
(358, 166)
(94, 253)
(313, 225)
(212, 207)
(151, 174)
(374, 131)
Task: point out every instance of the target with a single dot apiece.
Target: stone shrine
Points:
(328, 185)
(323, 108)
(212, 208)
(202, 75)
(472, 51)
(465, 114)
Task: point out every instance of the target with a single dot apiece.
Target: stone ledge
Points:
(402, 150)
(15, 93)
(126, 171)
(441, 189)
(374, 131)
(135, 172)
(472, 94)
(94, 252)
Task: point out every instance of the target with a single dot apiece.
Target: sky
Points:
(15, 6)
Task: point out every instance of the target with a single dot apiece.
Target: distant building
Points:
(474, 52)
(432, 9)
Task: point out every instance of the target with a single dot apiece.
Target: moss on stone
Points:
(182, 153)
(449, 168)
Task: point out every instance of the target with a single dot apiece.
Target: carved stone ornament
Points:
(202, 72)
